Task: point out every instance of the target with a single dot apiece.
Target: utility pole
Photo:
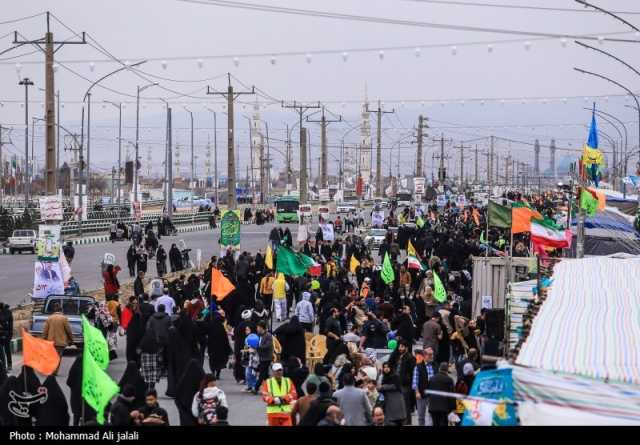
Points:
(50, 136)
(27, 187)
(192, 183)
(301, 109)
(442, 171)
(507, 164)
(476, 166)
(57, 140)
(231, 96)
(552, 149)
(169, 162)
(421, 125)
(490, 169)
(323, 147)
(379, 112)
(288, 151)
(536, 162)
(461, 147)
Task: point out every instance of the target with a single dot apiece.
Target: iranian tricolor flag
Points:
(547, 233)
(412, 258)
(315, 269)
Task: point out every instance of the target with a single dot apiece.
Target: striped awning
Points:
(590, 323)
(576, 398)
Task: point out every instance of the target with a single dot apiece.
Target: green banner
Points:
(95, 344)
(230, 228)
(97, 387)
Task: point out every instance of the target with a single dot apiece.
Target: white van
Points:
(324, 213)
(304, 213)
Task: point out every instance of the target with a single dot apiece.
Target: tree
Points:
(7, 223)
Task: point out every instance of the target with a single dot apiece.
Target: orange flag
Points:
(220, 285)
(521, 219)
(39, 354)
(476, 216)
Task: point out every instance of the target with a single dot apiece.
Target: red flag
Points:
(220, 285)
(39, 354)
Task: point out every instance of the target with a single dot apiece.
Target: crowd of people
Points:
(342, 347)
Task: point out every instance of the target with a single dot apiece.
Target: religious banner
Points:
(441, 200)
(51, 208)
(327, 232)
(47, 280)
(303, 233)
(377, 218)
(230, 229)
(48, 243)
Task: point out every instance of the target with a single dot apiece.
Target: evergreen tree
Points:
(7, 224)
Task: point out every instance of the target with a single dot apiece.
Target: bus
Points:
(287, 209)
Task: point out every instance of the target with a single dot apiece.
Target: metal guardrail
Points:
(103, 225)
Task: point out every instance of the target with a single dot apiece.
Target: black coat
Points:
(404, 326)
(135, 332)
(133, 377)
(138, 287)
(217, 343)
(407, 363)
(55, 411)
(291, 338)
(187, 387)
(74, 382)
(120, 413)
(440, 404)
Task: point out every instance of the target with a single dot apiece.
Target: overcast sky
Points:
(523, 89)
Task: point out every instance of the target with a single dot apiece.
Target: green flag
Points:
(230, 228)
(387, 273)
(588, 203)
(97, 387)
(95, 344)
(419, 221)
(292, 263)
(440, 294)
(499, 216)
(482, 240)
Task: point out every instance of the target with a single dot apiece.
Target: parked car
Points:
(345, 208)
(72, 306)
(22, 240)
(375, 237)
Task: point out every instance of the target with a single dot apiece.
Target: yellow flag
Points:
(268, 258)
(353, 264)
(592, 156)
(411, 251)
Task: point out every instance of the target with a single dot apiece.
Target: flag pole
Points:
(486, 252)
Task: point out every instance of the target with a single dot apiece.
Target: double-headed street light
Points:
(87, 98)
(119, 107)
(135, 167)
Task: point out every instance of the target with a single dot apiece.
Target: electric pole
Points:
(490, 167)
(50, 114)
(536, 161)
(301, 109)
(379, 112)
(442, 171)
(231, 96)
(421, 125)
(461, 147)
(323, 146)
(476, 166)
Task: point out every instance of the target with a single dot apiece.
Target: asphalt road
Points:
(16, 271)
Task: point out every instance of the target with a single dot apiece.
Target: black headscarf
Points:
(133, 377)
(187, 387)
(55, 411)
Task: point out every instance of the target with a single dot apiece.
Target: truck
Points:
(73, 307)
(22, 240)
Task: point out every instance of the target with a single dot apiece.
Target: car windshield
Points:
(23, 233)
(378, 232)
(70, 306)
(287, 206)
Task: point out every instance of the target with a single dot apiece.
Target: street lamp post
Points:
(635, 98)
(27, 184)
(119, 107)
(192, 183)
(215, 151)
(137, 145)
